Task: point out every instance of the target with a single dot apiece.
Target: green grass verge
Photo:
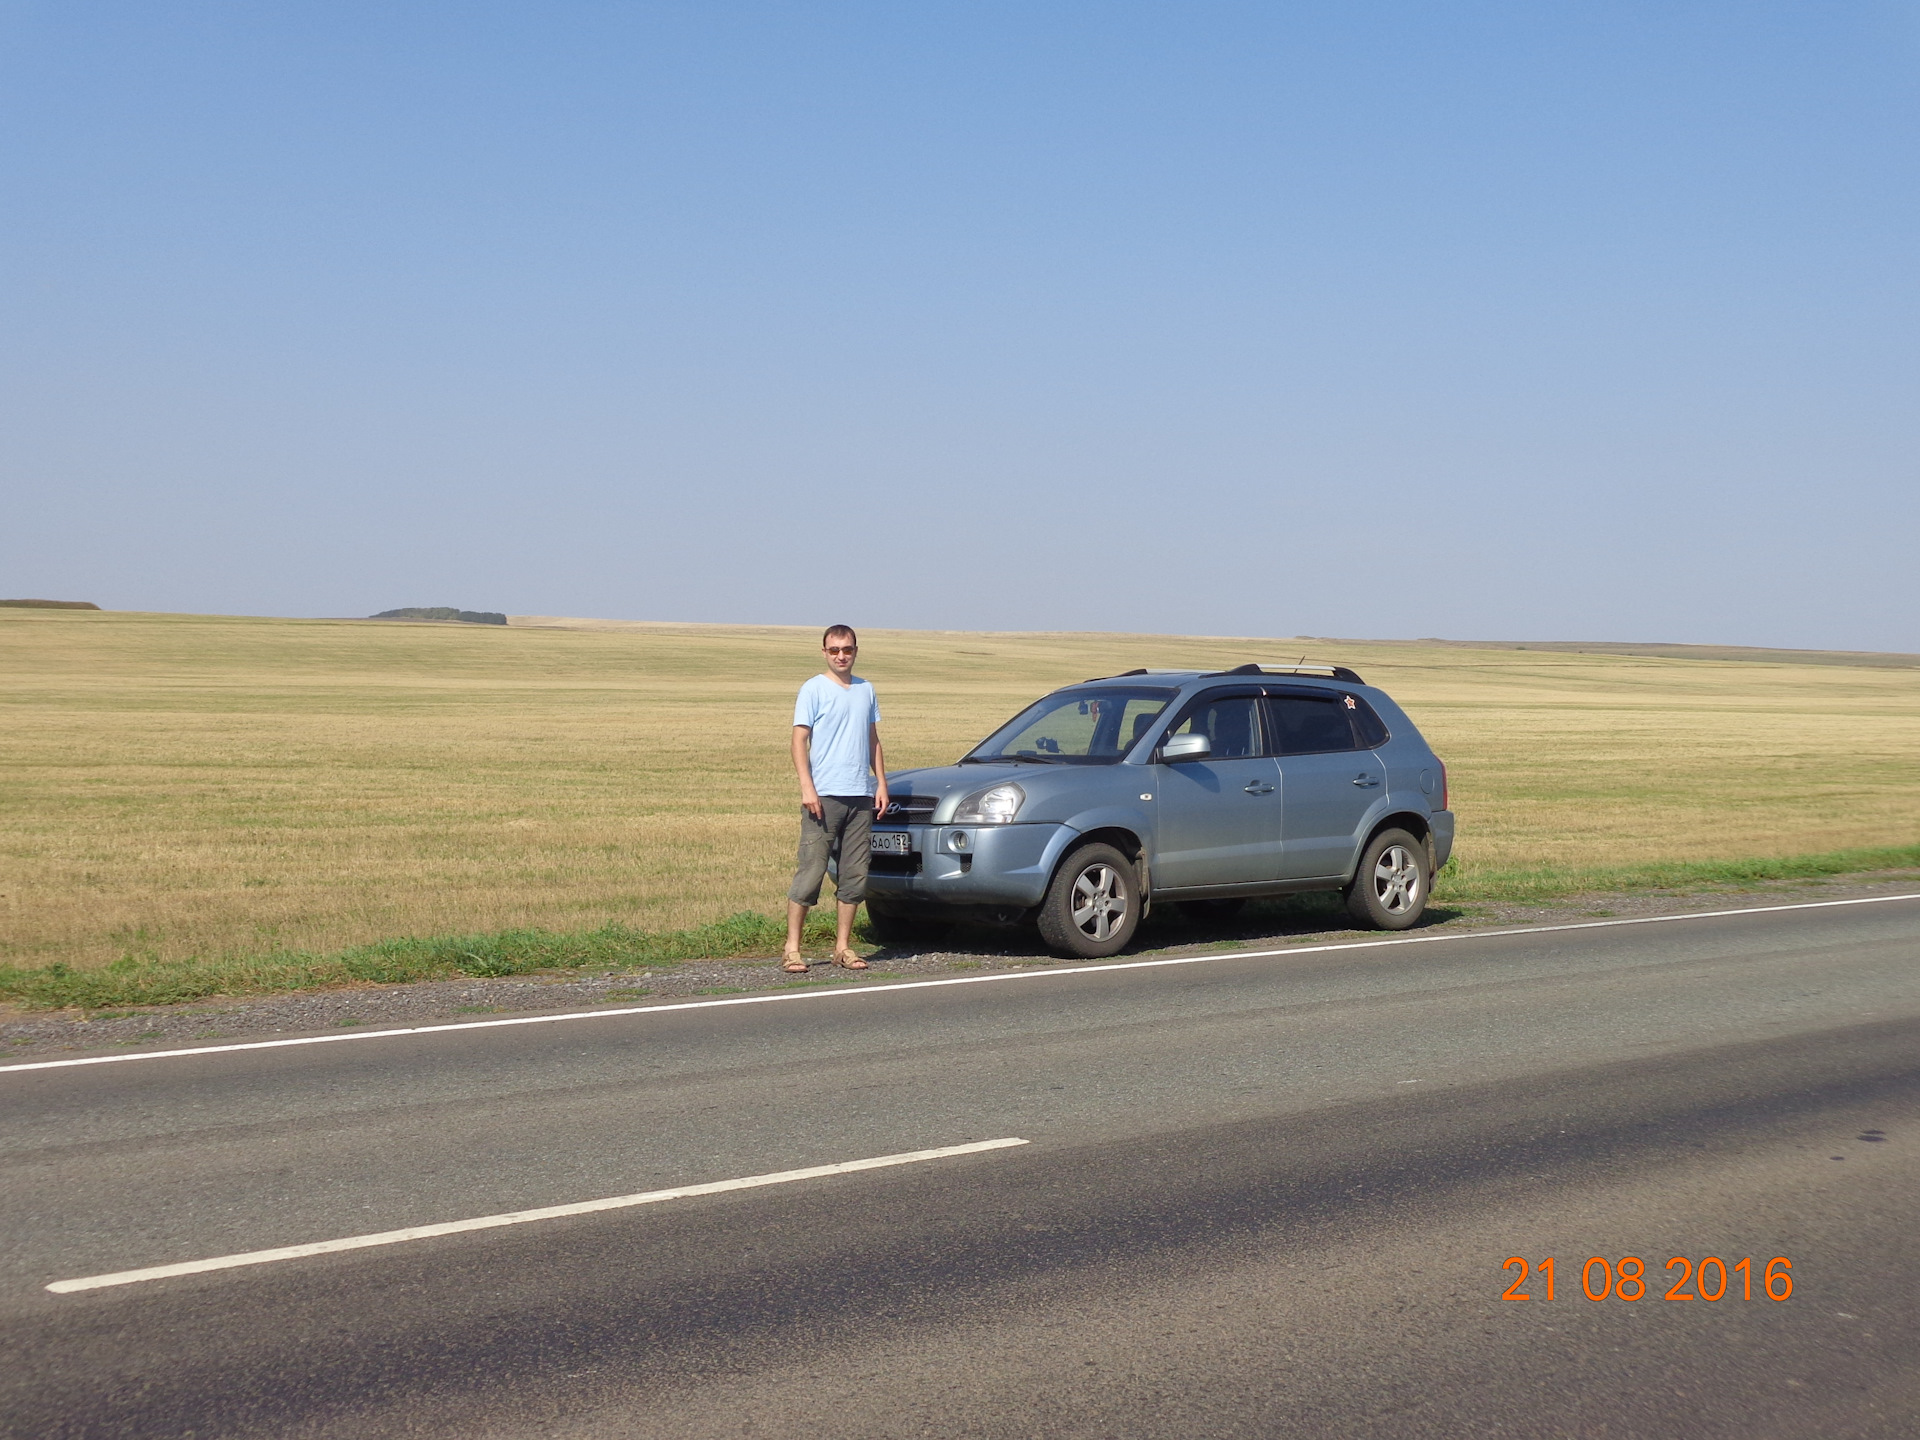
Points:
(134, 982)
(1465, 882)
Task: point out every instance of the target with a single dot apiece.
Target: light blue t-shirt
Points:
(841, 759)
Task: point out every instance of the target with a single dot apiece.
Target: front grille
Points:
(894, 864)
(911, 809)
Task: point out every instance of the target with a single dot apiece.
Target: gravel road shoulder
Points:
(26, 1035)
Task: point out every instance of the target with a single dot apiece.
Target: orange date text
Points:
(1710, 1278)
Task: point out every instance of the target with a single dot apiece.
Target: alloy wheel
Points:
(1396, 880)
(1099, 901)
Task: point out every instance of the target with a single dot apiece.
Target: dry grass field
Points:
(179, 786)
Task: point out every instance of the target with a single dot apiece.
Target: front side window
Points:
(1230, 723)
(1309, 724)
(1076, 727)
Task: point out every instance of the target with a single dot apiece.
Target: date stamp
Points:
(1626, 1279)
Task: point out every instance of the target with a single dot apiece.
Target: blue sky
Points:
(1578, 321)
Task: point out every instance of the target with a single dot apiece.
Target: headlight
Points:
(990, 807)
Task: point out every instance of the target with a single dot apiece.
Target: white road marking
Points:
(519, 1217)
(851, 992)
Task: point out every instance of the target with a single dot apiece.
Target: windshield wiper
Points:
(1009, 760)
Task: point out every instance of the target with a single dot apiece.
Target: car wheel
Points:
(899, 927)
(1093, 905)
(1389, 890)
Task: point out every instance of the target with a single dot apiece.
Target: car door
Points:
(1328, 783)
(1218, 819)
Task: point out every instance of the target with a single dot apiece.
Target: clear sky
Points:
(1554, 321)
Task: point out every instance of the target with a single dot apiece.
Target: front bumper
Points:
(996, 865)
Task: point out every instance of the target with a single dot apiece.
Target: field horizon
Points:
(1674, 649)
(194, 787)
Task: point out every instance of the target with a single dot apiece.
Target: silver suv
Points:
(1104, 798)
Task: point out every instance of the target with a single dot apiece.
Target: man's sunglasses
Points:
(840, 649)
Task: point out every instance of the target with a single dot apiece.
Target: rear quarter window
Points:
(1367, 723)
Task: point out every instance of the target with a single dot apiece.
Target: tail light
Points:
(1443, 784)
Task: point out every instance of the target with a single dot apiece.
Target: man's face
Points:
(840, 650)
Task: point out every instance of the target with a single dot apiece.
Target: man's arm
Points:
(880, 801)
(803, 762)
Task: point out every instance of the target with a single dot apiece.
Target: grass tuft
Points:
(394, 962)
(1464, 881)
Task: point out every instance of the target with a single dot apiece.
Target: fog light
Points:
(957, 840)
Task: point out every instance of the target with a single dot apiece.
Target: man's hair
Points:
(833, 630)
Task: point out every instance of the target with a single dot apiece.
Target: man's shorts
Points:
(843, 830)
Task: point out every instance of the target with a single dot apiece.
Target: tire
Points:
(1213, 912)
(1389, 890)
(1093, 905)
(899, 928)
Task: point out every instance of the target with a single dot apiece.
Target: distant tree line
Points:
(442, 612)
(57, 605)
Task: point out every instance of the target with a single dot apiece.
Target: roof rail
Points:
(1332, 672)
(1121, 676)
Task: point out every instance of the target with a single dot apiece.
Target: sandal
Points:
(794, 962)
(847, 960)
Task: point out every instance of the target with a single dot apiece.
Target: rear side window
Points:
(1228, 722)
(1310, 724)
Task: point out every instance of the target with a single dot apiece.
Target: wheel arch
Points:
(1124, 839)
(1118, 836)
(1411, 821)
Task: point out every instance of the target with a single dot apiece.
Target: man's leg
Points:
(851, 883)
(816, 842)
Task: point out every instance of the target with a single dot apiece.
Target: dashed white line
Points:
(851, 992)
(519, 1217)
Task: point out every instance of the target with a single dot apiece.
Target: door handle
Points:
(1365, 780)
(1259, 787)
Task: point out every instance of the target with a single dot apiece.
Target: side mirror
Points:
(1185, 747)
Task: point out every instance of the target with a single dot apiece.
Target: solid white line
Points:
(519, 1217)
(839, 993)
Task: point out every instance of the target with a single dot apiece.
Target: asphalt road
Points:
(1263, 1196)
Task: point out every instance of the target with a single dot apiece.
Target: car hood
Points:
(1050, 789)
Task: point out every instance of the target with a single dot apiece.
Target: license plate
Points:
(890, 842)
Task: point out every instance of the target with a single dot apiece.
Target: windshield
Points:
(1076, 727)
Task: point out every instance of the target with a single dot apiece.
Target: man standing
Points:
(843, 782)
